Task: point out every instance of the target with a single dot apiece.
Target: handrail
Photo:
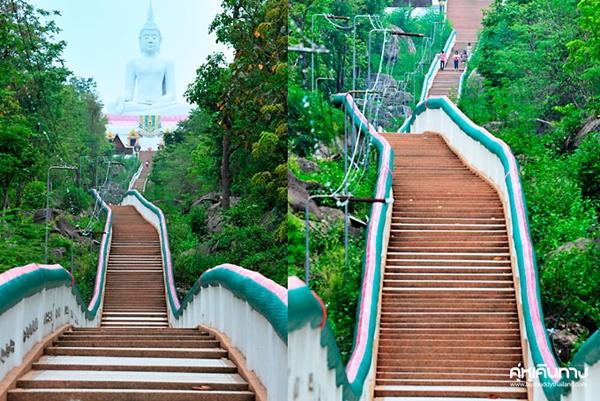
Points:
(135, 176)
(464, 75)
(435, 66)
(33, 277)
(306, 308)
(588, 354)
(539, 343)
(263, 294)
(21, 282)
(36, 300)
(97, 298)
(461, 82)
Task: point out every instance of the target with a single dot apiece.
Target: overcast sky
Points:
(102, 35)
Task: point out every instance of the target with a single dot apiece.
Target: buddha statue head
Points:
(150, 37)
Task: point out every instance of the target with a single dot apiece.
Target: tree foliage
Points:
(234, 144)
(536, 86)
(48, 117)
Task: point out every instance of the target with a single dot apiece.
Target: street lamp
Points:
(312, 54)
(394, 32)
(71, 168)
(442, 5)
(323, 79)
(356, 18)
(92, 158)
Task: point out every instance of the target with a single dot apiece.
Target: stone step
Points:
(79, 394)
(131, 380)
(98, 363)
(448, 303)
(451, 391)
(137, 343)
(138, 352)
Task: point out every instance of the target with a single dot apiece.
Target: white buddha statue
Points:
(150, 81)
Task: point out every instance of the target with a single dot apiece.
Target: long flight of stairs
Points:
(145, 156)
(465, 16)
(134, 355)
(449, 323)
(135, 290)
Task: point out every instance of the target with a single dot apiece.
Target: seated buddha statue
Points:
(149, 81)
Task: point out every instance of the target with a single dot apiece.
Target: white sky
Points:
(102, 35)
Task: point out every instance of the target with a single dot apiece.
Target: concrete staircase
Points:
(134, 355)
(446, 82)
(465, 16)
(449, 324)
(135, 290)
(145, 156)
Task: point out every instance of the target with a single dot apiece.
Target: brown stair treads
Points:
(465, 16)
(449, 326)
(145, 156)
(134, 355)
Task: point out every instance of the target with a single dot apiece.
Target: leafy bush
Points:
(531, 91)
(34, 195)
(198, 221)
(571, 285)
(74, 199)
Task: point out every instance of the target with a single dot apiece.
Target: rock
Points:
(493, 126)
(298, 195)
(323, 151)
(182, 291)
(308, 166)
(564, 335)
(331, 214)
(214, 219)
(591, 125)
(392, 98)
(39, 215)
(563, 342)
(211, 197)
(112, 193)
(67, 230)
(234, 200)
(580, 243)
(59, 253)
(392, 47)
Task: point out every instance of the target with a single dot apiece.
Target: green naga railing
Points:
(261, 293)
(22, 282)
(435, 66)
(42, 305)
(98, 296)
(554, 379)
(306, 308)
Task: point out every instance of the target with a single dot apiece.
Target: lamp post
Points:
(442, 5)
(356, 18)
(394, 32)
(81, 157)
(71, 168)
(312, 54)
(343, 198)
(323, 79)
